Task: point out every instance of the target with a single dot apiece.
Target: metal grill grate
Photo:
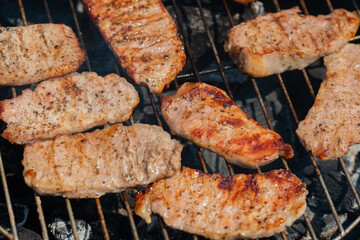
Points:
(221, 69)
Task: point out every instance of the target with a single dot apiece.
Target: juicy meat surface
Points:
(33, 53)
(333, 123)
(217, 207)
(73, 103)
(207, 116)
(88, 165)
(143, 36)
(286, 40)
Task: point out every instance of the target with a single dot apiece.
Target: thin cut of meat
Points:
(333, 123)
(89, 165)
(284, 41)
(73, 103)
(207, 116)
(217, 207)
(143, 36)
(37, 52)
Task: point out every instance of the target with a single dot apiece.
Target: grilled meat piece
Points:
(73, 103)
(286, 40)
(143, 36)
(207, 116)
(37, 52)
(333, 123)
(88, 165)
(217, 207)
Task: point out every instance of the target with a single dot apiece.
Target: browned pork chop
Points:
(207, 116)
(333, 123)
(286, 40)
(73, 103)
(88, 165)
(37, 52)
(217, 207)
(144, 38)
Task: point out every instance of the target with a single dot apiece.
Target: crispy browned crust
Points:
(144, 38)
(73, 103)
(87, 165)
(33, 53)
(207, 116)
(214, 206)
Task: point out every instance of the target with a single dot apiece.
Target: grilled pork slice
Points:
(66, 105)
(217, 207)
(37, 52)
(207, 116)
(88, 165)
(143, 36)
(333, 123)
(286, 40)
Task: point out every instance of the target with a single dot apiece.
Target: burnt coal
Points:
(337, 185)
(26, 234)
(62, 230)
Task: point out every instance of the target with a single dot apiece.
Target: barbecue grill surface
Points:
(333, 208)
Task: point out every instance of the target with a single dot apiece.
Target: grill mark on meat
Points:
(217, 207)
(226, 183)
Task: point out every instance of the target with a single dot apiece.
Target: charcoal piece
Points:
(26, 234)
(336, 184)
(62, 230)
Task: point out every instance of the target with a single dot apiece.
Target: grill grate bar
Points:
(102, 219)
(180, 21)
(44, 231)
(5, 233)
(72, 218)
(8, 200)
(130, 216)
(330, 5)
(348, 178)
(351, 227)
(208, 71)
(22, 11)
(46, 5)
(212, 43)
